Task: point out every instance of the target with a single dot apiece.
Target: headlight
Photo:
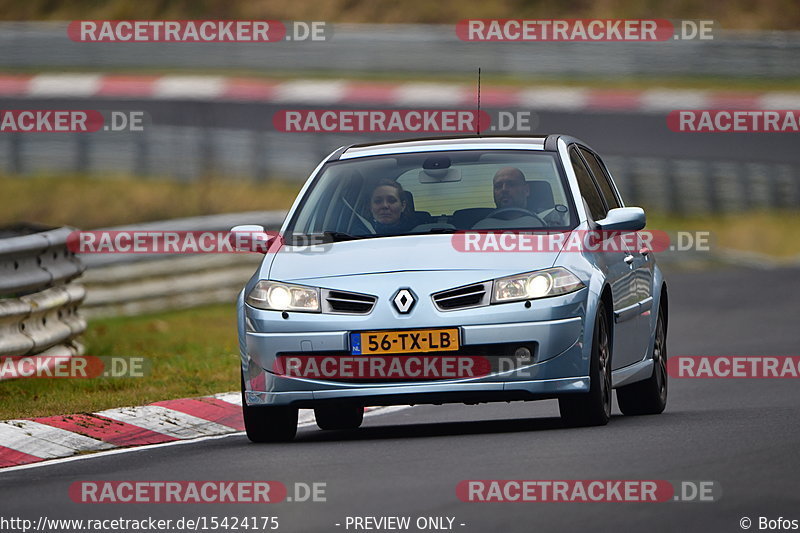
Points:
(539, 284)
(284, 297)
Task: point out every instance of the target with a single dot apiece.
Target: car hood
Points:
(397, 254)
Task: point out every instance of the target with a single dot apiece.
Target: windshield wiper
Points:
(337, 236)
(436, 230)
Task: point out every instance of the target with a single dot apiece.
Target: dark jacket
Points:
(404, 225)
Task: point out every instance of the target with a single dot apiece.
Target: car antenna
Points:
(478, 127)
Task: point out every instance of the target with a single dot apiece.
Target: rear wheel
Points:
(339, 416)
(649, 397)
(594, 407)
(268, 423)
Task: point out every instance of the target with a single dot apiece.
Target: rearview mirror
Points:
(624, 219)
(251, 238)
(437, 175)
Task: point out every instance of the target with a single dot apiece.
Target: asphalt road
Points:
(741, 433)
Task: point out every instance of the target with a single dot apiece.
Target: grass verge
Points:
(772, 233)
(87, 202)
(189, 353)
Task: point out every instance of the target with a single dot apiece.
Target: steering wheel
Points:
(506, 213)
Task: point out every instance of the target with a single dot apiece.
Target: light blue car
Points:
(464, 270)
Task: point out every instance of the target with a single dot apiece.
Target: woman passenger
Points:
(389, 208)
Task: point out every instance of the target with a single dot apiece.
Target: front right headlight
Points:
(277, 296)
(538, 284)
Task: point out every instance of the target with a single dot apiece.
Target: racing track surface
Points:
(740, 433)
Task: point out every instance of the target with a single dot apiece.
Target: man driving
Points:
(510, 188)
(511, 193)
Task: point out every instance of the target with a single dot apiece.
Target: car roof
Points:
(432, 144)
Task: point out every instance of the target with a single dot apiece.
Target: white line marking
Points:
(780, 101)
(166, 421)
(673, 99)
(310, 91)
(194, 87)
(231, 397)
(81, 85)
(430, 95)
(45, 441)
(554, 98)
(373, 412)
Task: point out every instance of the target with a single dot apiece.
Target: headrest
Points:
(409, 198)
(541, 196)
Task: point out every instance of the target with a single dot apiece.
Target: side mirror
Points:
(251, 238)
(623, 219)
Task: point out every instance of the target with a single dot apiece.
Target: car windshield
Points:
(435, 192)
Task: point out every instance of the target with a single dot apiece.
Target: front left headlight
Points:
(276, 296)
(533, 285)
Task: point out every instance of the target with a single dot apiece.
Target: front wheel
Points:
(649, 397)
(268, 423)
(594, 407)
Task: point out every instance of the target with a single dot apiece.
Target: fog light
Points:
(522, 354)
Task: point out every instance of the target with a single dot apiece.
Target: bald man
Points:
(510, 188)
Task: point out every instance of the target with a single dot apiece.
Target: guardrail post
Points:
(711, 187)
(81, 153)
(259, 160)
(773, 180)
(141, 164)
(745, 187)
(673, 194)
(794, 176)
(632, 194)
(15, 165)
(206, 147)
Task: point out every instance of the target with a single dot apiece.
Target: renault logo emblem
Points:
(404, 300)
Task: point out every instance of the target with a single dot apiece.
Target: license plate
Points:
(404, 341)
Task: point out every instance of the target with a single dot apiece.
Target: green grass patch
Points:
(774, 233)
(88, 202)
(189, 353)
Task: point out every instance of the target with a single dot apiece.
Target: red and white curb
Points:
(362, 93)
(26, 441)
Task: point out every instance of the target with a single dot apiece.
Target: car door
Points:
(638, 253)
(615, 263)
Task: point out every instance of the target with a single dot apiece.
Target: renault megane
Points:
(468, 270)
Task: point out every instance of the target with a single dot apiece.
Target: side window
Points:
(602, 179)
(587, 186)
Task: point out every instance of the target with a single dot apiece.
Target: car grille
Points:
(474, 295)
(350, 303)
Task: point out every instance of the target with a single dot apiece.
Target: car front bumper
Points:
(554, 325)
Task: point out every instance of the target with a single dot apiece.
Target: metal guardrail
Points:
(132, 284)
(691, 186)
(416, 48)
(38, 303)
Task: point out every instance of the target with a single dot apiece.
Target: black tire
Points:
(594, 407)
(649, 397)
(269, 423)
(339, 416)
